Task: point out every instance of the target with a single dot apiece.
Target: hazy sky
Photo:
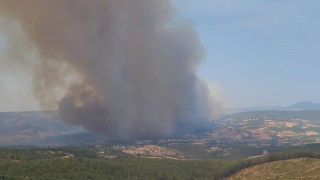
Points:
(259, 52)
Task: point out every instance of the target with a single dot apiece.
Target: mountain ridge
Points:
(304, 105)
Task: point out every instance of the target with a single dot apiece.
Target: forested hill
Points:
(86, 163)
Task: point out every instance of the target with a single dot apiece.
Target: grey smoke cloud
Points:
(119, 68)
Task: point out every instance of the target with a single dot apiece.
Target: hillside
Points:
(85, 163)
(300, 168)
(36, 128)
(269, 128)
(238, 135)
(154, 162)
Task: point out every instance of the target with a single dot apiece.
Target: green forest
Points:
(43, 164)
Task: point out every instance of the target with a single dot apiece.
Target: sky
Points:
(259, 52)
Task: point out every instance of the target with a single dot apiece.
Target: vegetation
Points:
(85, 164)
(19, 165)
(227, 152)
(302, 168)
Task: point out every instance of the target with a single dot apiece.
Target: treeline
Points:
(121, 168)
(234, 151)
(28, 164)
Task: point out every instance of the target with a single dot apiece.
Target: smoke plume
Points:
(121, 68)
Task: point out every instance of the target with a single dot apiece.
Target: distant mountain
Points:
(304, 106)
(312, 115)
(251, 109)
(300, 106)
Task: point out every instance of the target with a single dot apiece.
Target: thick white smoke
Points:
(121, 68)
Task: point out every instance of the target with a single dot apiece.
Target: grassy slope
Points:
(300, 168)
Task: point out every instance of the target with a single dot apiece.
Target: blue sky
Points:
(260, 52)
